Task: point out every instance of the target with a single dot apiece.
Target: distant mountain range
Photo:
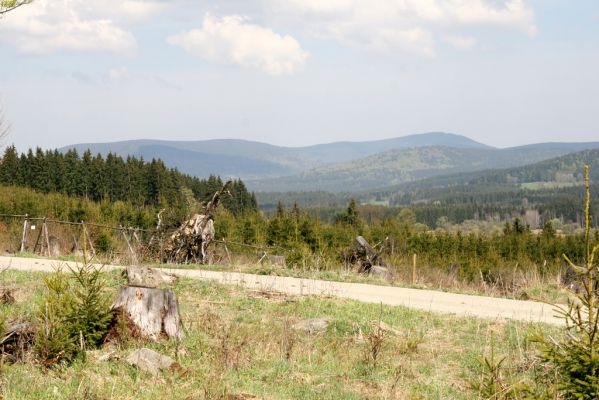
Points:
(255, 160)
(336, 167)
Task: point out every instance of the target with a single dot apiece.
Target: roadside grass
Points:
(240, 344)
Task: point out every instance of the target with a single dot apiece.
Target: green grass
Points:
(240, 343)
(547, 185)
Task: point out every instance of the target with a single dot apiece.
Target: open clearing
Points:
(427, 300)
(240, 344)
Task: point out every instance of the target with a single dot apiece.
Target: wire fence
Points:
(52, 238)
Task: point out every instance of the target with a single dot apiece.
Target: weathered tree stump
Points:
(155, 311)
(149, 277)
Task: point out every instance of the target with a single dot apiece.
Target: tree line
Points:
(113, 179)
(308, 241)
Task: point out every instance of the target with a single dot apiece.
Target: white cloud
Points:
(410, 25)
(460, 42)
(47, 26)
(117, 74)
(135, 10)
(233, 40)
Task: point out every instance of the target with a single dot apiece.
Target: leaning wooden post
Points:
(37, 241)
(414, 269)
(87, 240)
(227, 251)
(131, 252)
(24, 236)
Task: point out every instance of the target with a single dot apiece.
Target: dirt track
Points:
(427, 300)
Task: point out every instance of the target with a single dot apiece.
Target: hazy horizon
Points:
(324, 143)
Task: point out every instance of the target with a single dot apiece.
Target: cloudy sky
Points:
(297, 72)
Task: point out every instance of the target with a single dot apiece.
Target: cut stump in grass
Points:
(154, 311)
(149, 277)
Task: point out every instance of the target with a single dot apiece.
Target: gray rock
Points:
(312, 326)
(380, 272)
(150, 361)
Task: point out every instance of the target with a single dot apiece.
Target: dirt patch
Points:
(277, 296)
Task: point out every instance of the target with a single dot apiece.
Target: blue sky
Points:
(298, 72)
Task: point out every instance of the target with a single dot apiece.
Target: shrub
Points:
(103, 242)
(74, 314)
(92, 314)
(53, 342)
(576, 357)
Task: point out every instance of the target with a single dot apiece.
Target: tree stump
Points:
(154, 311)
(149, 277)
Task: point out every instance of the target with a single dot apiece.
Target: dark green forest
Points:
(111, 179)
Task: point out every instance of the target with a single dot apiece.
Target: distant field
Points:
(547, 185)
(240, 345)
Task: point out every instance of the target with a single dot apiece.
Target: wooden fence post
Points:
(414, 269)
(45, 228)
(24, 236)
(37, 241)
(131, 252)
(87, 240)
(227, 251)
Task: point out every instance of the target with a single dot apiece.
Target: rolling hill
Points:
(413, 164)
(255, 160)
(560, 172)
(334, 167)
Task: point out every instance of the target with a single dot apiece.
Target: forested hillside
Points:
(398, 166)
(112, 178)
(558, 170)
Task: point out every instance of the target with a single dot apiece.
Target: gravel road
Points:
(427, 300)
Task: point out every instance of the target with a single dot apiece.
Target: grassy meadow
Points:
(240, 344)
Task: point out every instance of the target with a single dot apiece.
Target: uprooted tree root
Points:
(17, 341)
(7, 296)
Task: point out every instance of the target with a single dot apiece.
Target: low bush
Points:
(74, 314)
